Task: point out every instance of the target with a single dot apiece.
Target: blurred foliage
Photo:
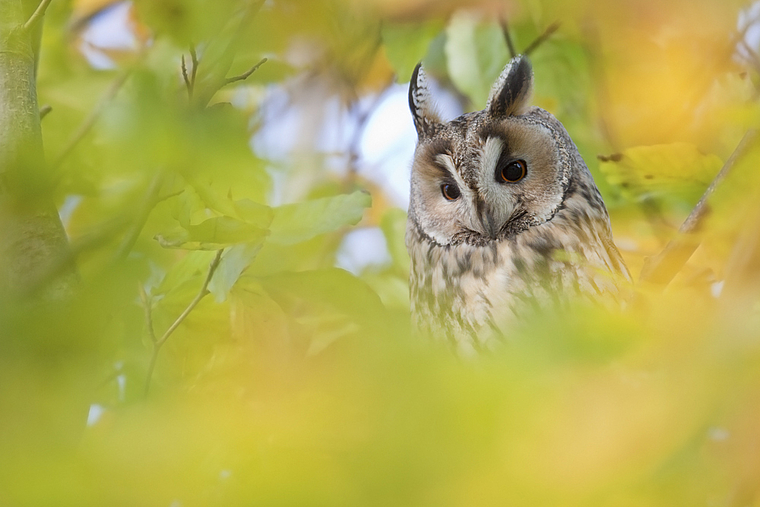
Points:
(268, 376)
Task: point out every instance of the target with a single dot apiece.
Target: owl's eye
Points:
(513, 171)
(450, 191)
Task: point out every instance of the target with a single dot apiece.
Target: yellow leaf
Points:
(664, 170)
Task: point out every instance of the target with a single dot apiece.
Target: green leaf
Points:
(406, 44)
(294, 223)
(212, 234)
(333, 287)
(233, 263)
(244, 209)
(253, 213)
(194, 202)
(186, 268)
(677, 170)
(475, 54)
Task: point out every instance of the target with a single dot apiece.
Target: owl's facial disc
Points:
(520, 173)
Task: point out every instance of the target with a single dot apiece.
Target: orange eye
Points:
(514, 171)
(450, 191)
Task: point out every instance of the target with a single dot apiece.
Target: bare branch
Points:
(37, 15)
(185, 78)
(507, 37)
(246, 74)
(157, 344)
(195, 61)
(88, 122)
(542, 38)
(190, 82)
(201, 294)
(661, 268)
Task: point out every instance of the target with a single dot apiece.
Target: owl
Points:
(504, 217)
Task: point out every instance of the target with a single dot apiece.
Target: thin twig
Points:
(661, 268)
(246, 74)
(201, 294)
(157, 344)
(542, 38)
(45, 110)
(195, 61)
(37, 15)
(88, 122)
(185, 78)
(218, 69)
(193, 71)
(507, 37)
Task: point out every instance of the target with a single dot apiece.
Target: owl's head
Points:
(491, 174)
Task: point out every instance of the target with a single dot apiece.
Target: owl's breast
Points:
(473, 295)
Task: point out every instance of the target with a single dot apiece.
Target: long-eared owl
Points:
(504, 216)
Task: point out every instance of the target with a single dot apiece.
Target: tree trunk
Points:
(33, 244)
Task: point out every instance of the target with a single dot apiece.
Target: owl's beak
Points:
(485, 215)
(489, 225)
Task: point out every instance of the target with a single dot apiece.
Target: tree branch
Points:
(183, 66)
(30, 227)
(542, 38)
(245, 75)
(190, 80)
(201, 294)
(194, 59)
(158, 343)
(37, 15)
(507, 37)
(661, 268)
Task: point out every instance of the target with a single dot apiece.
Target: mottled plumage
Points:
(504, 216)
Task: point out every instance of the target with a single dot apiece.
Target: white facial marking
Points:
(491, 154)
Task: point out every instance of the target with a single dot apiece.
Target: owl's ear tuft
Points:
(510, 94)
(425, 118)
